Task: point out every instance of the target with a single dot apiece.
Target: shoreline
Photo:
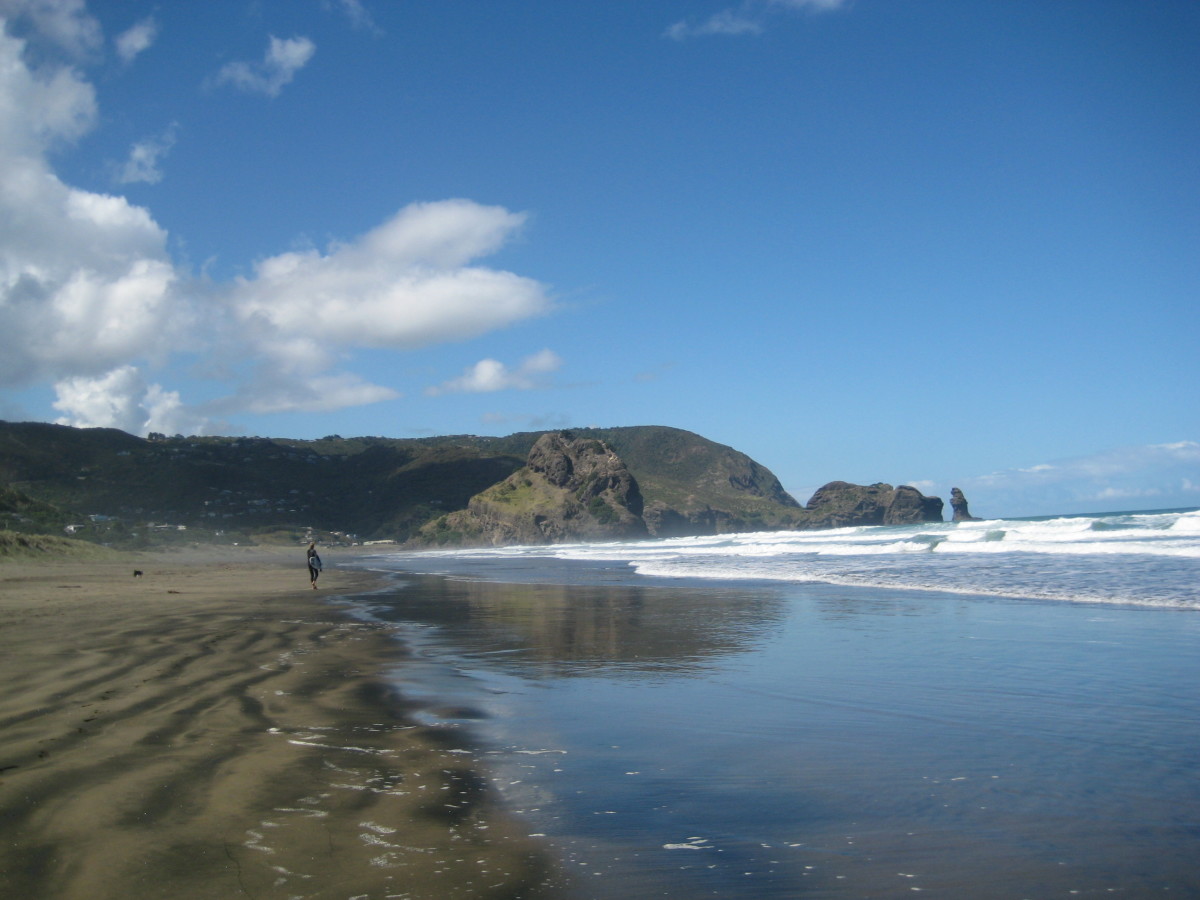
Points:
(216, 728)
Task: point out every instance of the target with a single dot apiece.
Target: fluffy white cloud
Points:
(39, 109)
(403, 285)
(122, 399)
(144, 156)
(137, 39)
(84, 279)
(489, 375)
(284, 58)
(90, 299)
(110, 401)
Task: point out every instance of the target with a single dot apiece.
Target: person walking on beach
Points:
(314, 565)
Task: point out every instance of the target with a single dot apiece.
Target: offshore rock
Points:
(958, 503)
(840, 504)
(909, 506)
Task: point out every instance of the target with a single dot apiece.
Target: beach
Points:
(214, 728)
(528, 723)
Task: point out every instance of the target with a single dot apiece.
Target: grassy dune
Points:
(30, 547)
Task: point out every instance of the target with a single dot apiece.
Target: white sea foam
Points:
(1145, 558)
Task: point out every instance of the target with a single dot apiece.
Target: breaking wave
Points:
(1150, 558)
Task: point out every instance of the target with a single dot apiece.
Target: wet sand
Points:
(214, 729)
(766, 742)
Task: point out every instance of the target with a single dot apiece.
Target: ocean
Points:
(1000, 708)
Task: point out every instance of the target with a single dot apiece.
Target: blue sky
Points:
(931, 242)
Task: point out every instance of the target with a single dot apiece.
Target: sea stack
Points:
(958, 503)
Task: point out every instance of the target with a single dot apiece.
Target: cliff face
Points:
(694, 486)
(840, 504)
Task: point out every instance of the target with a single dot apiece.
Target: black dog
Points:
(137, 573)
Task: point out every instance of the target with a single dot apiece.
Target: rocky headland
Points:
(570, 489)
(575, 488)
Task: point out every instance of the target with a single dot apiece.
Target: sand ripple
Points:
(210, 732)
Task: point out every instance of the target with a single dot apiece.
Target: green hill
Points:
(120, 489)
(108, 486)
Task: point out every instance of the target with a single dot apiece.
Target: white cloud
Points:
(357, 13)
(725, 22)
(811, 5)
(109, 401)
(280, 390)
(65, 24)
(403, 285)
(406, 284)
(1163, 474)
(137, 39)
(143, 162)
(90, 299)
(284, 58)
(84, 279)
(122, 399)
(39, 109)
(749, 18)
(490, 375)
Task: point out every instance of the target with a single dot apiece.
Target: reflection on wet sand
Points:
(554, 630)
(760, 742)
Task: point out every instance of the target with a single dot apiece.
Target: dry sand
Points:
(213, 730)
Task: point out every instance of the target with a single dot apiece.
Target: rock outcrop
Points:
(694, 486)
(958, 503)
(570, 489)
(840, 504)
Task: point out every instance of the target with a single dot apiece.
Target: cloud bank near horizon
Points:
(1144, 476)
(91, 300)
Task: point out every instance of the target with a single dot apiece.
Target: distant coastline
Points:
(109, 487)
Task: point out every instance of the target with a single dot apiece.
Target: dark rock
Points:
(958, 503)
(840, 504)
(909, 506)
